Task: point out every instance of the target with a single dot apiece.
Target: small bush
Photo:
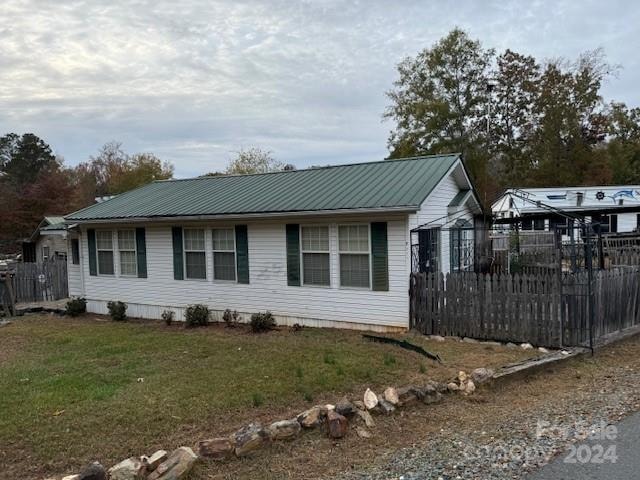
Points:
(197, 316)
(76, 306)
(231, 319)
(117, 310)
(257, 399)
(168, 316)
(262, 322)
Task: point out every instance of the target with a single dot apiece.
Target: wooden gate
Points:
(36, 282)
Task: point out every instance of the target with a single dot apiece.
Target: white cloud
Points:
(194, 81)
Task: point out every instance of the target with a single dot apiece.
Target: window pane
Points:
(105, 262)
(75, 251)
(193, 239)
(353, 238)
(315, 239)
(315, 268)
(223, 239)
(126, 240)
(354, 270)
(196, 264)
(104, 240)
(128, 263)
(224, 265)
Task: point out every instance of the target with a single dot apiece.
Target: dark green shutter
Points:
(178, 264)
(293, 254)
(379, 263)
(141, 247)
(91, 242)
(242, 253)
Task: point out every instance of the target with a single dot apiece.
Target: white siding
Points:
(434, 211)
(268, 289)
(74, 272)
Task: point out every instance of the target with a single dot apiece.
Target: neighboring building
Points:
(322, 247)
(47, 242)
(613, 208)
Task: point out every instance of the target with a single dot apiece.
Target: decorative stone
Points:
(94, 471)
(437, 338)
(366, 416)
(406, 396)
(328, 407)
(431, 396)
(71, 477)
(129, 469)
(363, 433)
(511, 345)
(468, 388)
(152, 462)
(469, 340)
(481, 375)
(336, 424)
(312, 417)
(526, 346)
(391, 396)
(284, 430)
(543, 350)
(462, 377)
(217, 448)
(385, 407)
(250, 438)
(370, 399)
(359, 404)
(345, 408)
(453, 387)
(176, 466)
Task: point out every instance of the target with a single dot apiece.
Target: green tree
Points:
(23, 158)
(623, 148)
(254, 160)
(439, 102)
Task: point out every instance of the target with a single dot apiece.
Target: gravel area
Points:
(510, 446)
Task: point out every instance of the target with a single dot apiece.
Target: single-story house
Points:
(612, 208)
(326, 246)
(47, 242)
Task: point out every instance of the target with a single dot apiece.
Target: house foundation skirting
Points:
(138, 310)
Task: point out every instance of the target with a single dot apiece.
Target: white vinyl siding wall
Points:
(268, 289)
(435, 210)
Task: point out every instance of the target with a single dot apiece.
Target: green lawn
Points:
(76, 390)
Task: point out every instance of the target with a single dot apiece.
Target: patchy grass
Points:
(77, 390)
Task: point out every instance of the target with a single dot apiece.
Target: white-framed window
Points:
(104, 248)
(224, 253)
(195, 255)
(127, 252)
(315, 255)
(354, 254)
(46, 252)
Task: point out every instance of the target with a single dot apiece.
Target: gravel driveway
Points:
(520, 441)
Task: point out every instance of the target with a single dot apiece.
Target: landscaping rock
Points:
(481, 375)
(363, 433)
(152, 462)
(129, 469)
(437, 338)
(345, 407)
(431, 396)
(526, 346)
(312, 417)
(179, 463)
(543, 350)
(406, 396)
(468, 388)
(217, 448)
(469, 340)
(385, 407)
(71, 477)
(284, 430)
(94, 471)
(359, 404)
(462, 377)
(511, 345)
(366, 416)
(336, 424)
(370, 399)
(250, 438)
(452, 387)
(391, 396)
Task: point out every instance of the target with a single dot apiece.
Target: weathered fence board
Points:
(35, 282)
(543, 309)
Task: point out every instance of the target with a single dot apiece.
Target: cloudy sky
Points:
(194, 81)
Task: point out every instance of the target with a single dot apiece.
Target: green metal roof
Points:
(54, 220)
(374, 185)
(459, 198)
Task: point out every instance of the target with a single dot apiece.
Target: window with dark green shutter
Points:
(242, 253)
(91, 244)
(293, 254)
(141, 252)
(379, 254)
(178, 262)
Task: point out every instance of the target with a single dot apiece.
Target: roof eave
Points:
(256, 215)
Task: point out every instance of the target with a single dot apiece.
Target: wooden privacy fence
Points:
(35, 282)
(542, 309)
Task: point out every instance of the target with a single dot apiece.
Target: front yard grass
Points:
(77, 390)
